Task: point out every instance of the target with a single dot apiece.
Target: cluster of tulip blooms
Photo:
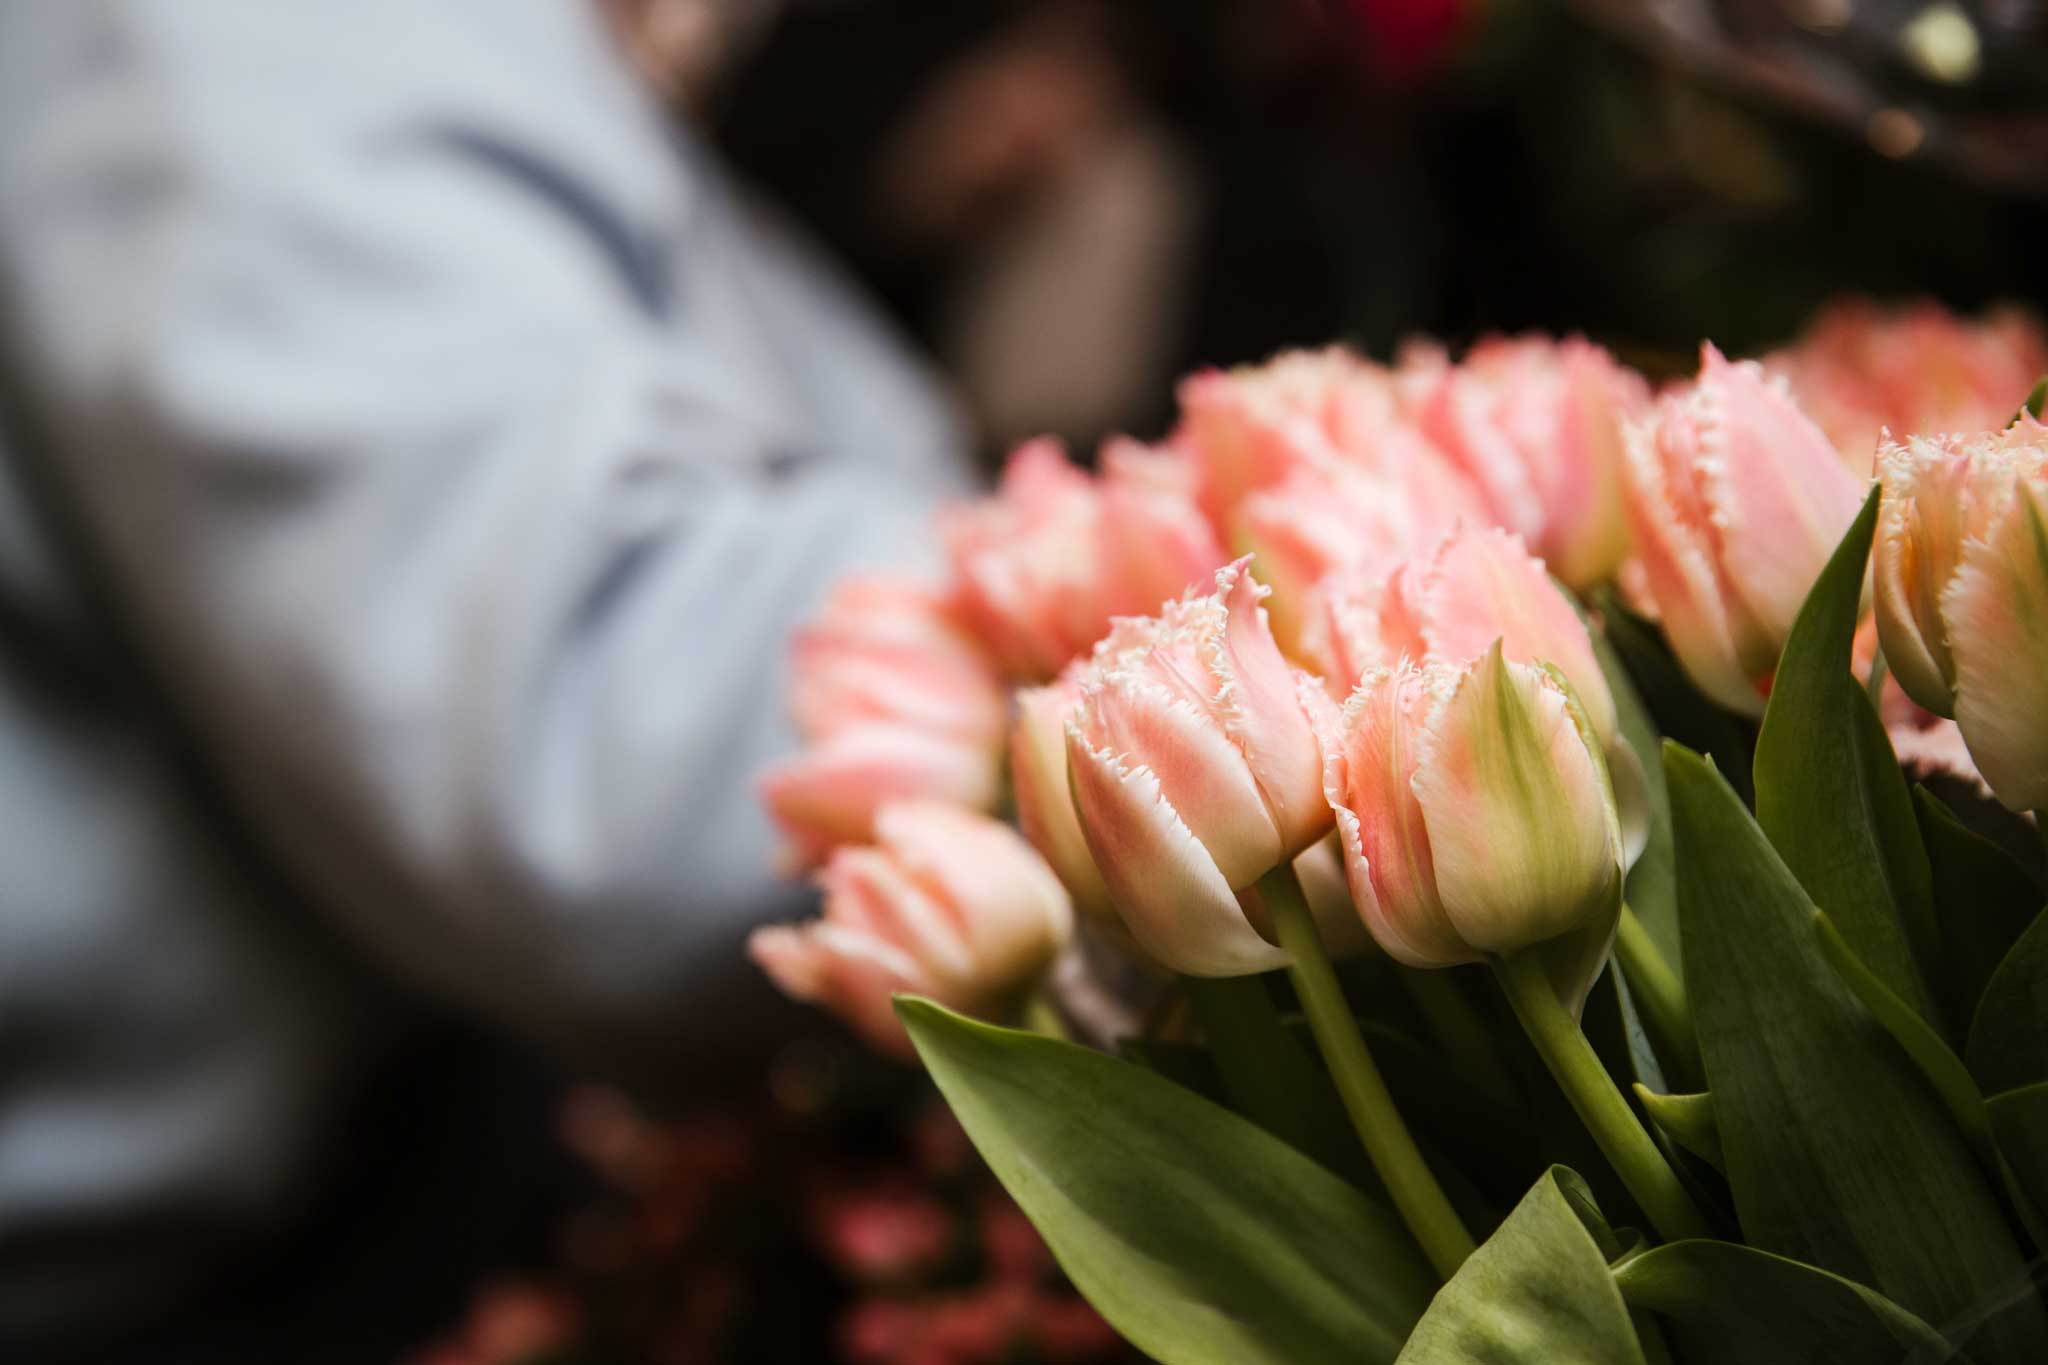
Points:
(1341, 654)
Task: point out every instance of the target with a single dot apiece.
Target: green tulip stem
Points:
(1660, 997)
(1395, 1156)
(1571, 1059)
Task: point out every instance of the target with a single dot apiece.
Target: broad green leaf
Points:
(2019, 1125)
(1677, 709)
(1539, 1289)
(2009, 1037)
(1200, 1237)
(1942, 1068)
(1983, 899)
(1837, 1151)
(1652, 882)
(1829, 793)
(1689, 1120)
(1735, 1305)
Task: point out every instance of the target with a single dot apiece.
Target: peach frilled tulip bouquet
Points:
(1481, 859)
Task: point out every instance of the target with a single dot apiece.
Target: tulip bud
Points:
(949, 904)
(1045, 803)
(1475, 815)
(1195, 772)
(1961, 583)
(1449, 606)
(1736, 500)
(1538, 425)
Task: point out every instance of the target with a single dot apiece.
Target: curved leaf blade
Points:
(1689, 1120)
(1838, 1154)
(1741, 1306)
(2019, 1125)
(1829, 793)
(2009, 1037)
(1199, 1236)
(1539, 1289)
(1942, 1068)
(1984, 900)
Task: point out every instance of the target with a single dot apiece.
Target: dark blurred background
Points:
(1070, 203)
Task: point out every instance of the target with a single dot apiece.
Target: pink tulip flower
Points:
(1736, 500)
(1538, 425)
(1961, 583)
(1042, 567)
(1156, 541)
(1448, 605)
(1045, 814)
(1250, 427)
(1475, 813)
(888, 651)
(948, 904)
(1195, 772)
(1339, 522)
(1861, 369)
(828, 795)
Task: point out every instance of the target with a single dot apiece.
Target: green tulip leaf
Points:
(1829, 793)
(1199, 1236)
(1688, 1120)
(1984, 901)
(1735, 1305)
(1942, 1068)
(2009, 1037)
(2019, 1125)
(1836, 1150)
(1538, 1289)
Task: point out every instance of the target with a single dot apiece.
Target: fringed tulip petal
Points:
(1996, 608)
(1371, 756)
(1775, 491)
(1172, 897)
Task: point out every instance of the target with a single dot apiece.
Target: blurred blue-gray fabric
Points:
(453, 448)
